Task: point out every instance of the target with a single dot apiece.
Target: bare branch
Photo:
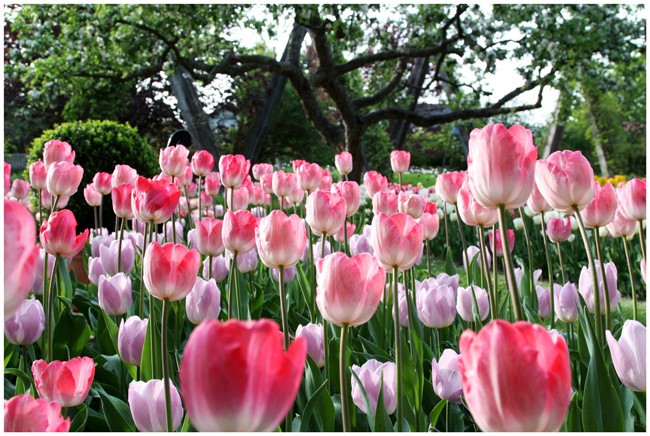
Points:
(383, 92)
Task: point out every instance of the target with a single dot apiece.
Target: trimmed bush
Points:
(98, 146)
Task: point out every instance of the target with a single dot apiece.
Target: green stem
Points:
(462, 240)
(101, 206)
(494, 267)
(400, 181)
(165, 364)
(312, 275)
(144, 247)
(599, 250)
(119, 246)
(444, 213)
(398, 352)
(512, 283)
(428, 258)
(189, 208)
(549, 263)
(231, 282)
(641, 238)
(594, 276)
(50, 310)
(209, 267)
(200, 208)
(40, 212)
(559, 253)
(629, 269)
(54, 203)
(285, 328)
(491, 294)
(530, 258)
(95, 216)
(343, 376)
(46, 304)
(345, 236)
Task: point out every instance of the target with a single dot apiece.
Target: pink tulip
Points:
(266, 182)
(95, 270)
(430, 225)
(109, 255)
(543, 301)
(464, 303)
(326, 181)
(471, 211)
(249, 385)
(147, 404)
(93, 198)
(325, 212)
(400, 161)
(436, 304)
(202, 163)
(537, 203)
(283, 183)
(170, 270)
(114, 293)
(448, 185)
(374, 376)
(558, 230)
(24, 413)
(154, 201)
(349, 289)
(499, 243)
(67, 383)
(445, 376)
(185, 179)
(209, 240)
(351, 193)
(57, 234)
(38, 175)
(341, 235)
(473, 251)
(280, 239)
(121, 198)
(261, 169)
(102, 183)
(297, 163)
(219, 268)
(26, 325)
(566, 301)
(621, 226)
(565, 180)
(233, 169)
(57, 151)
(396, 240)
(451, 281)
(20, 189)
(203, 301)
(501, 165)
(385, 202)
(309, 176)
(516, 377)
(631, 196)
(601, 210)
(628, 355)
(586, 287)
(257, 196)
(212, 184)
(7, 174)
(124, 174)
(313, 335)
(246, 262)
(238, 231)
(130, 339)
(374, 182)
(343, 162)
(411, 204)
(63, 178)
(296, 196)
(239, 199)
(173, 160)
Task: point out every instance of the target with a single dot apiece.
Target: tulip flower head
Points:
(397, 240)
(628, 355)
(170, 270)
(374, 376)
(147, 404)
(26, 325)
(565, 180)
(400, 161)
(57, 151)
(343, 162)
(280, 239)
(446, 378)
(24, 413)
(631, 196)
(202, 163)
(448, 185)
(67, 383)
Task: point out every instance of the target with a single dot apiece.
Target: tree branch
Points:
(383, 92)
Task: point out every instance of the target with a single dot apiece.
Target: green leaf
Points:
(64, 278)
(117, 412)
(309, 408)
(435, 413)
(326, 415)
(186, 424)
(79, 421)
(573, 417)
(639, 406)
(382, 421)
(627, 401)
(71, 333)
(450, 267)
(146, 368)
(23, 378)
(366, 402)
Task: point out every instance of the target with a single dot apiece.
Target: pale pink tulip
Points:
(351, 193)
(385, 202)
(374, 182)
(601, 210)
(325, 212)
(63, 178)
(202, 163)
(631, 196)
(233, 169)
(558, 230)
(103, 183)
(448, 185)
(280, 239)
(57, 151)
(400, 161)
(173, 160)
(343, 162)
(38, 175)
(471, 211)
(124, 174)
(396, 240)
(565, 180)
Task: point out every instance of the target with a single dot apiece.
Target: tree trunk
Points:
(555, 131)
(353, 142)
(597, 137)
(265, 116)
(196, 120)
(414, 85)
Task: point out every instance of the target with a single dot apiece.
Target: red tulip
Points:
(238, 231)
(38, 175)
(349, 289)
(209, 241)
(233, 169)
(431, 208)
(58, 234)
(212, 184)
(57, 151)
(325, 212)
(20, 189)
(516, 377)
(631, 195)
(343, 162)
(397, 240)
(20, 255)
(173, 160)
(103, 183)
(536, 202)
(260, 169)
(249, 385)
(565, 180)
(471, 211)
(430, 225)
(400, 161)
(601, 210)
(121, 197)
(511, 242)
(621, 226)
(283, 183)
(557, 230)
(385, 202)
(374, 182)
(309, 176)
(501, 165)
(411, 204)
(169, 271)
(67, 383)
(93, 198)
(124, 174)
(24, 413)
(63, 178)
(154, 200)
(351, 193)
(280, 239)
(202, 163)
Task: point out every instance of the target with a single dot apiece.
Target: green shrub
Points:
(98, 147)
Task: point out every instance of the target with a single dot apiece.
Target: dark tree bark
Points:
(414, 85)
(555, 131)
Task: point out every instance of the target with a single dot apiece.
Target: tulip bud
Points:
(219, 269)
(203, 301)
(173, 160)
(56, 151)
(67, 383)
(631, 196)
(566, 301)
(26, 325)
(123, 174)
(445, 376)
(374, 376)
(448, 185)
(238, 231)
(202, 163)
(280, 239)
(374, 182)
(38, 175)
(343, 162)
(92, 197)
(628, 355)
(436, 304)
(601, 210)
(147, 404)
(233, 169)
(400, 161)
(543, 301)
(130, 339)
(170, 270)
(397, 240)
(464, 303)
(114, 293)
(557, 230)
(313, 334)
(20, 189)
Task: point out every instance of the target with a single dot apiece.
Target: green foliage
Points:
(98, 146)
(376, 149)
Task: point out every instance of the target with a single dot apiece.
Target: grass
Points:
(427, 180)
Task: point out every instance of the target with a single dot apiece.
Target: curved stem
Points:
(50, 310)
(629, 269)
(512, 283)
(559, 252)
(550, 271)
(641, 238)
(462, 240)
(530, 256)
(493, 303)
(398, 352)
(343, 376)
(165, 364)
(599, 250)
(594, 276)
